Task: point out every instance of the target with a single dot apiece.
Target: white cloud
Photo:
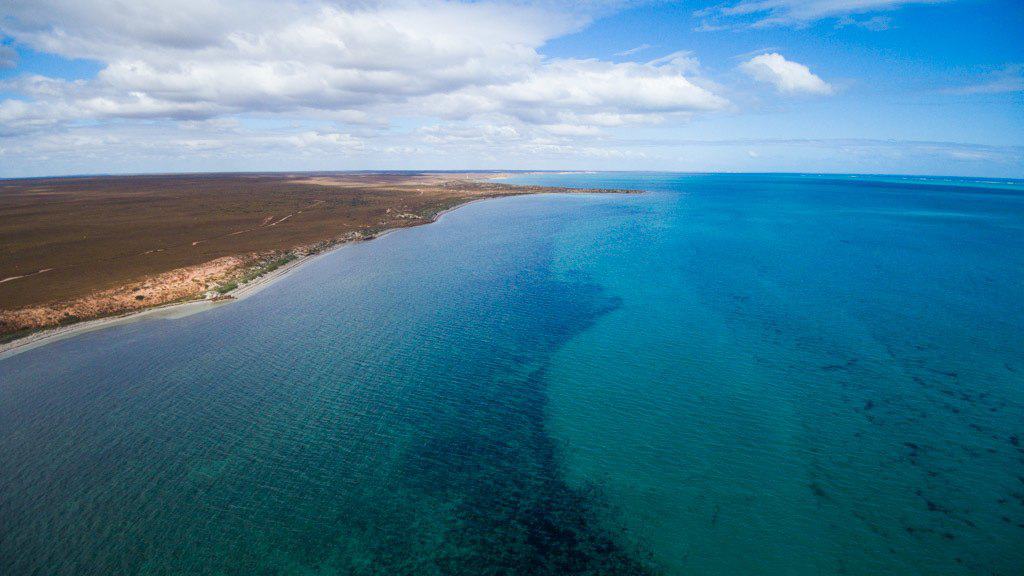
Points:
(583, 97)
(219, 145)
(589, 94)
(633, 50)
(682, 61)
(222, 56)
(358, 62)
(596, 86)
(572, 129)
(8, 57)
(874, 23)
(1010, 78)
(787, 76)
(767, 13)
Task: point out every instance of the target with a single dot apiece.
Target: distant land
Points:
(78, 248)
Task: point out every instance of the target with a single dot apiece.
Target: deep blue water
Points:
(730, 374)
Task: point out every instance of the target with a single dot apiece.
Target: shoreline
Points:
(176, 310)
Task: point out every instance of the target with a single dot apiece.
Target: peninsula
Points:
(79, 248)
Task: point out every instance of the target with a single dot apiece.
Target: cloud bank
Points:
(330, 84)
(362, 62)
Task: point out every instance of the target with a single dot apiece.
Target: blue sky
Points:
(870, 86)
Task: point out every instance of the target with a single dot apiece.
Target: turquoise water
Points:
(730, 374)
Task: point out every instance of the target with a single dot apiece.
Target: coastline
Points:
(175, 310)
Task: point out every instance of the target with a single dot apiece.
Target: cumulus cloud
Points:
(787, 76)
(597, 87)
(349, 62)
(215, 57)
(243, 83)
(768, 13)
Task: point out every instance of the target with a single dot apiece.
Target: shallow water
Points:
(727, 375)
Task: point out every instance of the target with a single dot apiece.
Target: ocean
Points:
(728, 374)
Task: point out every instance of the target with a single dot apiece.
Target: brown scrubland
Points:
(84, 247)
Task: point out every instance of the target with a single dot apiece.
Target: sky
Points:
(930, 87)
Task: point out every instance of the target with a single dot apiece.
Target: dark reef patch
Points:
(493, 465)
(397, 445)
